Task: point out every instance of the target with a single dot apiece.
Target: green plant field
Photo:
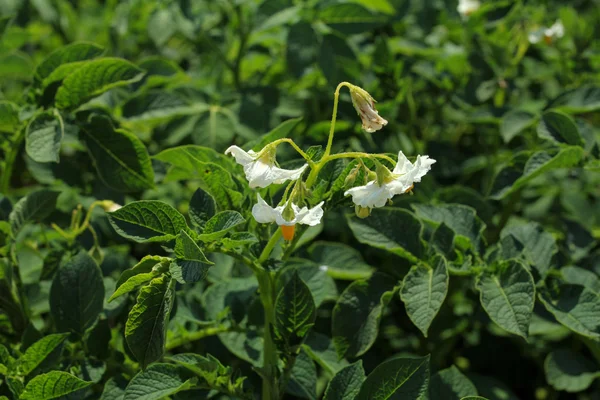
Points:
(299, 199)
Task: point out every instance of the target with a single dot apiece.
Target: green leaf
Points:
(220, 224)
(569, 371)
(216, 128)
(513, 177)
(538, 245)
(202, 208)
(148, 221)
(321, 285)
(95, 78)
(238, 239)
(399, 378)
(144, 271)
(159, 106)
(356, 315)
(44, 136)
(508, 296)
(346, 384)
(187, 249)
(67, 54)
(492, 388)
(574, 306)
(121, 159)
(9, 116)
(301, 50)
(583, 99)
(33, 207)
(295, 311)
(559, 128)
(321, 349)
(515, 122)
(341, 261)
(5, 21)
(450, 384)
(236, 294)
(146, 327)
(45, 351)
(350, 18)
(53, 385)
(114, 388)
(303, 379)
(461, 219)
(157, 382)
(424, 289)
(77, 294)
(580, 276)
(381, 230)
(214, 375)
(473, 398)
(191, 264)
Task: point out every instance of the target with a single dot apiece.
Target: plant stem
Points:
(11, 155)
(211, 331)
(336, 98)
(264, 256)
(270, 371)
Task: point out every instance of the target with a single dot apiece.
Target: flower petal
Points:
(264, 213)
(311, 217)
(241, 157)
(370, 195)
(280, 175)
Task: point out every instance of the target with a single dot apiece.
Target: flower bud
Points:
(109, 206)
(364, 105)
(288, 213)
(362, 212)
(351, 178)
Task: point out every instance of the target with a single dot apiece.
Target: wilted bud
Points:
(362, 212)
(364, 105)
(351, 178)
(110, 206)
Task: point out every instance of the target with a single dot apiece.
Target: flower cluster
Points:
(379, 186)
(556, 31)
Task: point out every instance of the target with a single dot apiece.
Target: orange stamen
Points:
(288, 231)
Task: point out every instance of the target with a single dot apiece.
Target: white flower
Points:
(364, 105)
(266, 214)
(261, 172)
(557, 30)
(467, 7)
(401, 180)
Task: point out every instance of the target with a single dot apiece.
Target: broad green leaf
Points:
(45, 351)
(5, 21)
(280, 131)
(492, 388)
(187, 249)
(216, 128)
(9, 116)
(569, 371)
(321, 285)
(539, 245)
(321, 349)
(461, 219)
(303, 378)
(340, 261)
(44, 136)
(95, 78)
(396, 379)
(33, 207)
(580, 276)
(346, 384)
(10, 305)
(442, 240)
(49, 84)
(159, 106)
(450, 384)
(77, 294)
(236, 294)
(295, 311)
(157, 382)
(515, 122)
(148, 268)
(356, 315)
(191, 264)
(391, 229)
(514, 177)
(67, 54)
(350, 18)
(508, 296)
(583, 99)
(220, 224)
(114, 388)
(238, 239)
(120, 158)
(202, 208)
(473, 398)
(424, 289)
(214, 375)
(560, 128)
(148, 221)
(53, 385)
(301, 49)
(146, 327)
(574, 306)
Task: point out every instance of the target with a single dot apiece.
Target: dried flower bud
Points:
(365, 107)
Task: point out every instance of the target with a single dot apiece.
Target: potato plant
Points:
(276, 199)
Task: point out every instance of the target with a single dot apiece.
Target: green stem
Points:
(184, 339)
(264, 256)
(270, 371)
(297, 148)
(11, 155)
(356, 154)
(336, 98)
